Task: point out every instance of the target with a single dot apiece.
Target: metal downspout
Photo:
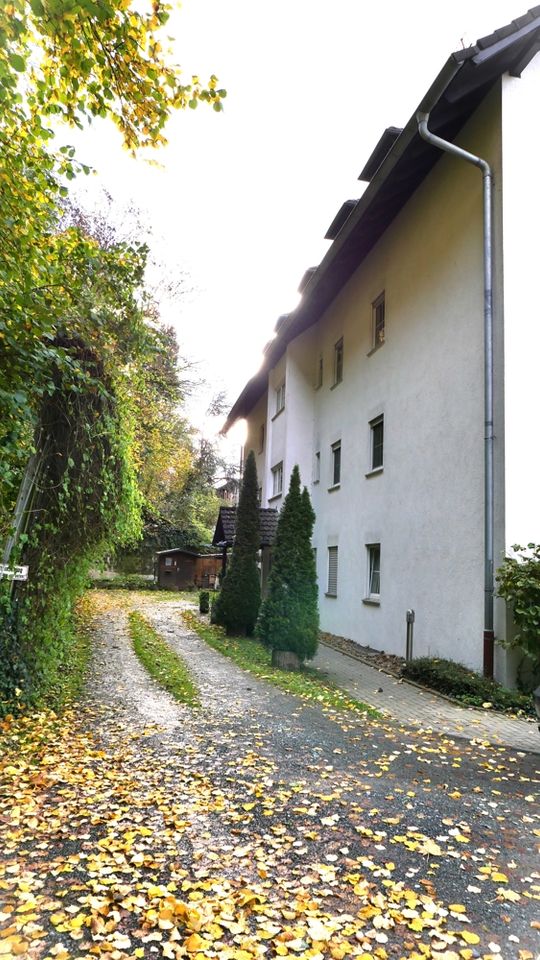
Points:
(487, 179)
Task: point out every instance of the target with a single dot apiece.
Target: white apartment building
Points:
(381, 383)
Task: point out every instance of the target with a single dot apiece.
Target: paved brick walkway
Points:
(410, 705)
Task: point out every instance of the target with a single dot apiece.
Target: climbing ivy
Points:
(69, 61)
(85, 500)
(73, 331)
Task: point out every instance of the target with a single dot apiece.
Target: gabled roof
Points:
(455, 94)
(226, 522)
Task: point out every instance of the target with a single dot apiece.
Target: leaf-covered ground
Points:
(255, 826)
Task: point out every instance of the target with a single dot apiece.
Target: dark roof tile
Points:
(226, 522)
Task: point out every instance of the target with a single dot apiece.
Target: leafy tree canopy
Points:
(70, 61)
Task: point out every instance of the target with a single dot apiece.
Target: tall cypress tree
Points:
(289, 617)
(238, 603)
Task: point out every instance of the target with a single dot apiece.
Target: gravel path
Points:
(319, 813)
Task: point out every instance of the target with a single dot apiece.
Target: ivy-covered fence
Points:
(84, 499)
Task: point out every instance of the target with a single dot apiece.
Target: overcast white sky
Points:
(242, 199)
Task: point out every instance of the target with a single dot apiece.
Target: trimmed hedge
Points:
(457, 681)
(131, 581)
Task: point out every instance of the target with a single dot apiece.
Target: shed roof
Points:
(226, 523)
(190, 553)
(396, 167)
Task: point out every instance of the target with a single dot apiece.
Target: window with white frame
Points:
(377, 442)
(338, 361)
(261, 437)
(332, 571)
(317, 467)
(378, 318)
(374, 571)
(277, 479)
(336, 464)
(280, 397)
(319, 372)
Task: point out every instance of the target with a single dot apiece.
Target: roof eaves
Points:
(295, 322)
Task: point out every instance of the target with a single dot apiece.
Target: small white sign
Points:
(13, 573)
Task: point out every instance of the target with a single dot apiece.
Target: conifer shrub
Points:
(289, 617)
(240, 596)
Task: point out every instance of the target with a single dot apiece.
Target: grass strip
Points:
(162, 663)
(252, 655)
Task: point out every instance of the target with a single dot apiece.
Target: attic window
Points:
(280, 398)
(338, 362)
(378, 316)
(319, 372)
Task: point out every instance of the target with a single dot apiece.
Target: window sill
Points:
(375, 348)
(333, 596)
(372, 601)
(336, 384)
(276, 415)
(335, 486)
(276, 496)
(374, 472)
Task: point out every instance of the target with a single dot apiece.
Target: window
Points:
(378, 319)
(336, 463)
(261, 438)
(277, 479)
(317, 467)
(168, 561)
(280, 397)
(332, 571)
(319, 373)
(374, 571)
(259, 494)
(377, 442)
(338, 362)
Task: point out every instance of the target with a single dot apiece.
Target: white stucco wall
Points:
(521, 213)
(426, 506)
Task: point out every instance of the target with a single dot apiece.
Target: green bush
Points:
(455, 680)
(204, 601)
(518, 582)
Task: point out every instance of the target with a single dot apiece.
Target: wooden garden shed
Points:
(181, 569)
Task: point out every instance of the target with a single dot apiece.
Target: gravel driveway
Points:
(307, 832)
(249, 734)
